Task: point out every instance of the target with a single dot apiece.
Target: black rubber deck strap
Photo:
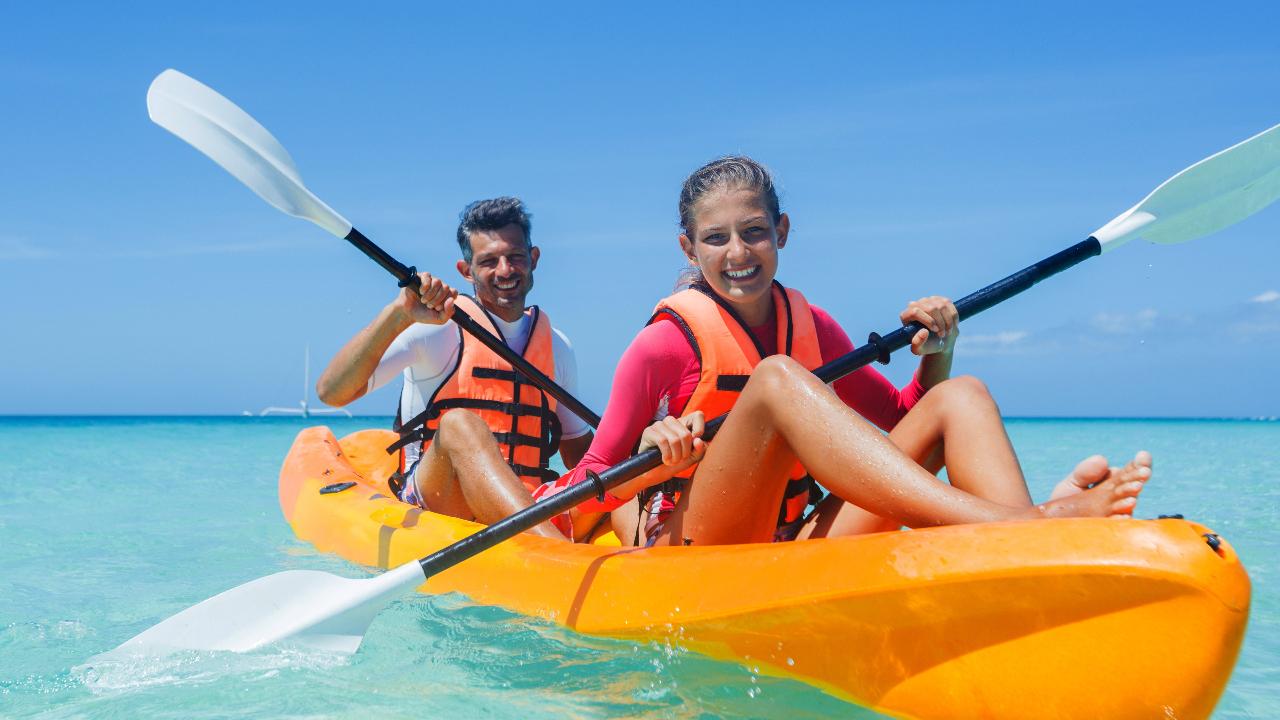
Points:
(337, 487)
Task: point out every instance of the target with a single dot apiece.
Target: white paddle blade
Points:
(1216, 192)
(214, 125)
(309, 607)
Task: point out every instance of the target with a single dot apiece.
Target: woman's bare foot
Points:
(1116, 495)
(1091, 471)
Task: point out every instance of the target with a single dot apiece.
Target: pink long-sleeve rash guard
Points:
(659, 372)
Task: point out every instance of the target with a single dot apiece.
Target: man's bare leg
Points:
(462, 474)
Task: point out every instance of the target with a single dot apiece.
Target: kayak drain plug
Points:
(1214, 541)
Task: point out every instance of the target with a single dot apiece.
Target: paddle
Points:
(218, 128)
(319, 609)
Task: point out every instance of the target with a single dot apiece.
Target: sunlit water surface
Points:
(110, 524)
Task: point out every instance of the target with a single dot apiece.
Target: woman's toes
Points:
(1087, 473)
(1142, 459)
(1124, 507)
(1090, 471)
(1130, 489)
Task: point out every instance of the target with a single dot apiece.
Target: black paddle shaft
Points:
(408, 277)
(877, 349)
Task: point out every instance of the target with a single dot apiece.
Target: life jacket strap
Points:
(514, 409)
(513, 438)
(545, 474)
(395, 483)
(795, 487)
(498, 374)
(552, 431)
(422, 434)
(731, 383)
(672, 488)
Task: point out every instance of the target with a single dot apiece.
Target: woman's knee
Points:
(965, 387)
(776, 372)
(963, 394)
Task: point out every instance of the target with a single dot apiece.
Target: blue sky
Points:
(921, 149)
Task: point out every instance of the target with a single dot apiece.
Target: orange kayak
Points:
(1049, 619)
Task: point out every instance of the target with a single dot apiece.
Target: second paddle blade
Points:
(313, 608)
(1216, 192)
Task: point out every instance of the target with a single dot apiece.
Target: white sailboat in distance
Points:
(303, 408)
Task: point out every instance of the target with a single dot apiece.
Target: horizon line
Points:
(5, 416)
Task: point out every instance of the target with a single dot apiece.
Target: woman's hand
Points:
(679, 439)
(941, 323)
(432, 304)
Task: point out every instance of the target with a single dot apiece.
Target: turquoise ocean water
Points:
(108, 525)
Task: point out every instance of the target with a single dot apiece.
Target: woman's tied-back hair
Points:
(727, 173)
(492, 214)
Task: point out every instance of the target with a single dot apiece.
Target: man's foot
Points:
(1115, 495)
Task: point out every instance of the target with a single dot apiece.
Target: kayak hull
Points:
(1061, 618)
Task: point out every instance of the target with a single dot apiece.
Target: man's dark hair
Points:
(492, 215)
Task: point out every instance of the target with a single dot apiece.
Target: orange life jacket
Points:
(727, 352)
(521, 416)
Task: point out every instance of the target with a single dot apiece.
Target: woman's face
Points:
(735, 243)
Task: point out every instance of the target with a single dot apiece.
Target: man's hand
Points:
(432, 304)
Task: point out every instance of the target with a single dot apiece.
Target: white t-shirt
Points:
(425, 354)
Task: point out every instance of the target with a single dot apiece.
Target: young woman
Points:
(736, 339)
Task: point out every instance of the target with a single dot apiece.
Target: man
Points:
(455, 389)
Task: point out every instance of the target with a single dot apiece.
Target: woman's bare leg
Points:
(786, 414)
(957, 425)
(463, 475)
(626, 521)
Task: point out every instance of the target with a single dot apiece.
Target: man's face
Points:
(501, 269)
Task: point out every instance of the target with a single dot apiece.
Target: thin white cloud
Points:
(1123, 323)
(16, 248)
(1007, 342)
(180, 249)
(1252, 322)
